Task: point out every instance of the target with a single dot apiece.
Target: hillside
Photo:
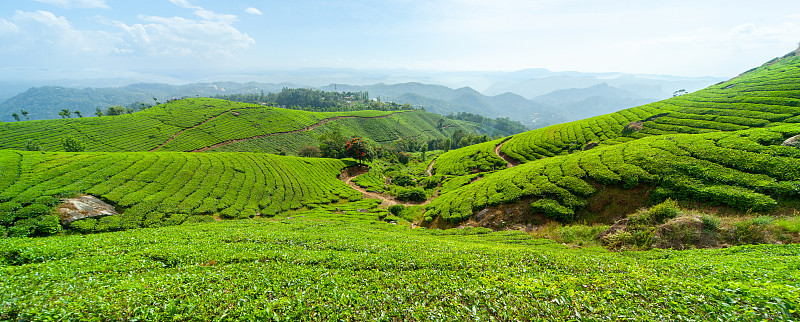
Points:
(199, 123)
(163, 188)
(728, 145)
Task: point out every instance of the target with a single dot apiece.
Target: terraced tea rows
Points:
(747, 170)
(157, 188)
(412, 125)
(301, 269)
(182, 125)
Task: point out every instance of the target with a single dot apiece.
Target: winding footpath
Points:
(352, 172)
(510, 162)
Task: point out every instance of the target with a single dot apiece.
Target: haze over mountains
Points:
(535, 97)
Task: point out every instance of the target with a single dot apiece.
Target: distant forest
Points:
(316, 100)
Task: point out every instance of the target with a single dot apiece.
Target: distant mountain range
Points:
(535, 97)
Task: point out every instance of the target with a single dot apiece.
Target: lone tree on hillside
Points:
(98, 112)
(65, 113)
(15, 116)
(78, 113)
(358, 149)
(71, 144)
(25, 114)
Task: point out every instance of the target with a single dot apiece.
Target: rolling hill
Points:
(200, 123)
(728, 145)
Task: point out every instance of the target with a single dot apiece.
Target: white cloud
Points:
(253, 11)
(212, 35)
(77, 3)
(45, 31)
(203, 13)
(7, 27)
(183, 37)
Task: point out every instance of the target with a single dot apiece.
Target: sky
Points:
(677, 37)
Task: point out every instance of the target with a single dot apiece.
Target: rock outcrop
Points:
(83, 207)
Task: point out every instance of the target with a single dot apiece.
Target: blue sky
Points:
(687, 38)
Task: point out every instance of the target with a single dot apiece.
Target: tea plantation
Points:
(322, 270)
(721, 146)
(161, 188)
(201, 123)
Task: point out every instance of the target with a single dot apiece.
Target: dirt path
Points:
(308, 128)
(347, 176)
(510, 162)
(430, 168)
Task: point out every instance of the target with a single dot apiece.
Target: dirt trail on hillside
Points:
(430, 168)
(347, 176)
(308, 128)
(510, 162)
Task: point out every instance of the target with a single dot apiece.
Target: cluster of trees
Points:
(23, 112)
(335, 145)
(129, 109)
(316, 100)
(501, 123)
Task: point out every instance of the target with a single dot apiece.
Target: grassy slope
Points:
(303, 269)
(146, 130)
(728, 154)
(407, 126)
(163, 188)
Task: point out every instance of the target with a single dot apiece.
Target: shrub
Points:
(48, 225)
(72, 145)
(710, 224)
(430, 182)
(414, 194)
(34, 210)
(49, 201)
(396, 209)
(664, 211)
(552, 209)
(403, 157)
(310, 152)
(403, 180)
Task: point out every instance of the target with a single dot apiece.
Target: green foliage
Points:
(177, 185)
(725, 168)
(404, 180)
(664, 211)
(552, 209)
(31, 145)
(276, 270)
(396, 209)
(70, 144)
(413, 194)
(310, 152)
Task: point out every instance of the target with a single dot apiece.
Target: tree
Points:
(98, 112)
(115, 110)
(424, 151)
(30, 145)
(310, 152)
(446, 145)
(358, 149)
(65, 113)
(78, 113)
(15, 116)
(71, 144)
(331, 144)
(25, 114)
